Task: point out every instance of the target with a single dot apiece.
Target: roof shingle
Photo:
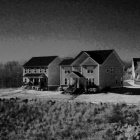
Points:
(39, 61)
(67, 61)
(99, 55)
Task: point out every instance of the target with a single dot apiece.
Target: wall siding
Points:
(108, 79)
(54, 72)
(94, 75)
(63, 74)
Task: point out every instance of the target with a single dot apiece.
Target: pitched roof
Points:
(39, 61)
(67, 61)
(99, 55)
(136, 59)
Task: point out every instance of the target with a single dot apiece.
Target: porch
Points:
(37, 81)
(76, 80)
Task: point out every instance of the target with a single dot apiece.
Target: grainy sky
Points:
(65, 27)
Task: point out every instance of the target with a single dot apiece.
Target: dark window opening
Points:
(66, 82)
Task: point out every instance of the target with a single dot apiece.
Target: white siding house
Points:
(102, 68)
(42, 71)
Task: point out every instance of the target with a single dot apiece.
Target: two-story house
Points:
(102, 68)
(42, 71)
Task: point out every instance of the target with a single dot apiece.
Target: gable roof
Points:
(99, 55)
(67, 61)
(39, 61)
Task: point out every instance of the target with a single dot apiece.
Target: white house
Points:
(102, 68)
(42, 71)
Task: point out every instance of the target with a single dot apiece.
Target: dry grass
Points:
(47, 95)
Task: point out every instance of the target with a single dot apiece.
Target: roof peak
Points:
(99, 55)
(98, 50)
(44, 56)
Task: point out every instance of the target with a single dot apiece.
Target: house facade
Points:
(136, 70)
(102, 68)
(42, 72)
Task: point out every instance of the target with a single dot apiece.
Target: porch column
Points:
(77, 82)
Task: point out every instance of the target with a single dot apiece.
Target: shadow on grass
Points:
(124, 90)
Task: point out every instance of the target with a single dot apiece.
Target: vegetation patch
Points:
(55, 120)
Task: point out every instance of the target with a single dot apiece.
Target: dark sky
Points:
(65, 27)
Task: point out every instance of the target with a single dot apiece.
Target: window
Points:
(66, 81)
(25, 71)
(67, 71)
(111, 70)
(92, 81)
(45, 70)
(107, 70)
(42, 70)
(89, 81)
(89, 71)
(29, 71)
(34, 70)
(25, 80)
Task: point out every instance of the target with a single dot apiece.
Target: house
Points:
(102, 68)
(42, 72)
(136, 70)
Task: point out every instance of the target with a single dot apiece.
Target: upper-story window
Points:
(42, 70)
(45, 70)
(25, 70)
(107, 70)
(89, 71)
(34, 70)
(67, 71)
(29, 70)
(112, 70)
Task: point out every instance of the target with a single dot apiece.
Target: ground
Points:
(113, 96)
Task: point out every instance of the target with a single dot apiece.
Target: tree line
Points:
(10, 74)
